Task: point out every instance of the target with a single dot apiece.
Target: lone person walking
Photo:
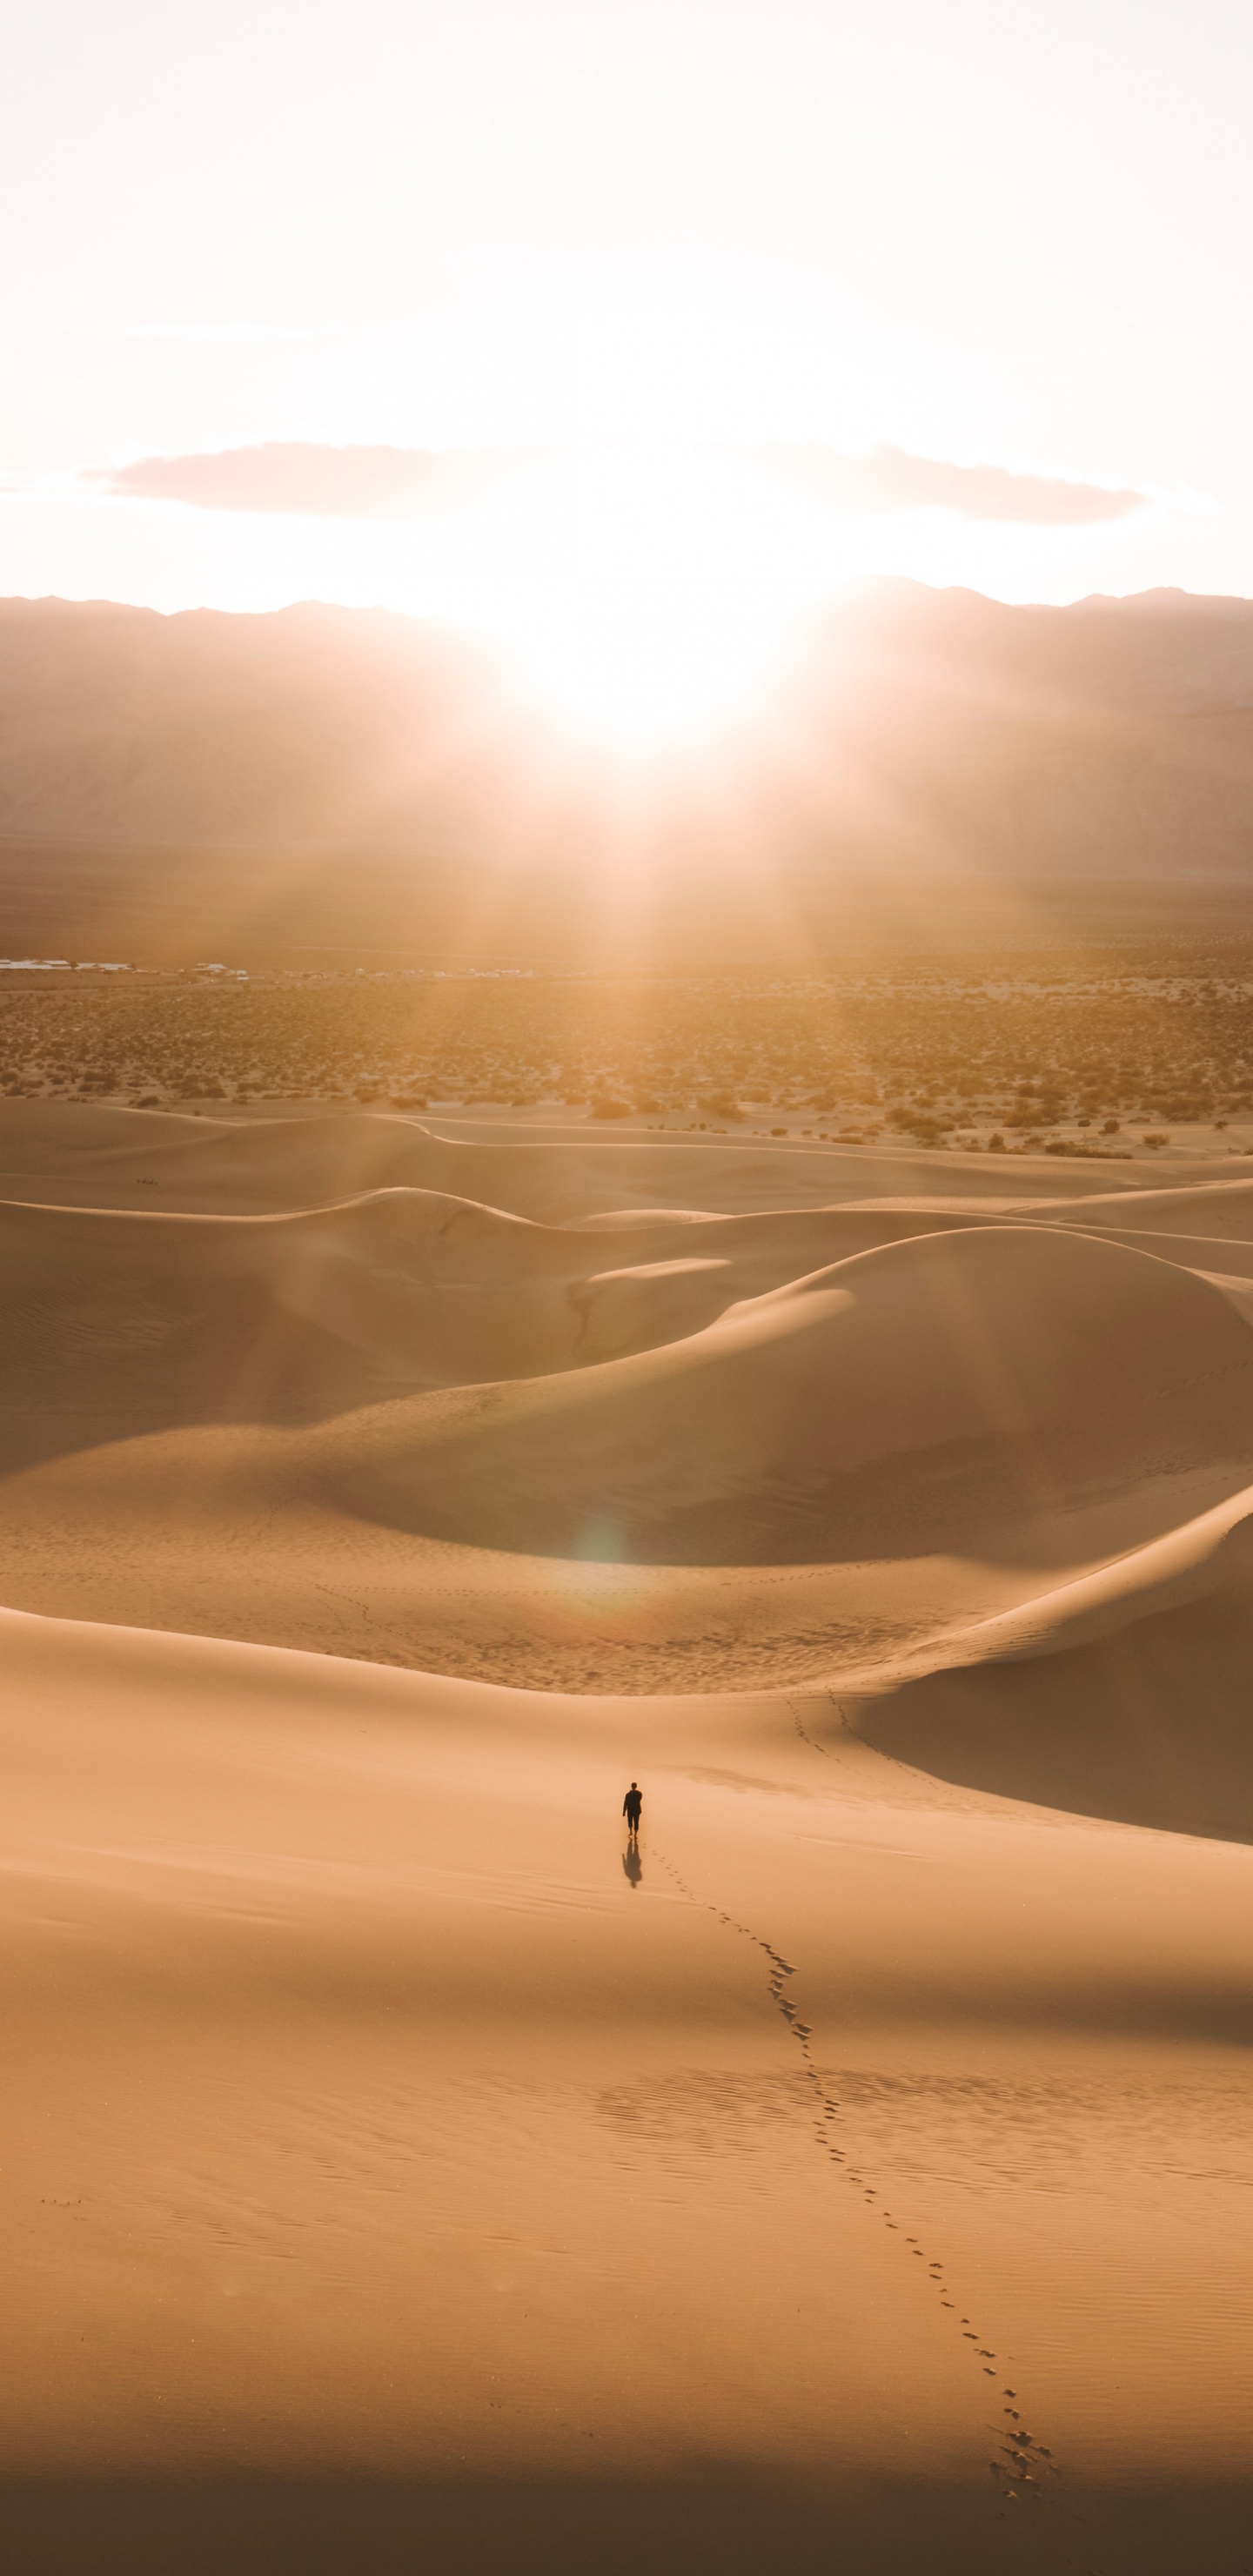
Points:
(631, 1806)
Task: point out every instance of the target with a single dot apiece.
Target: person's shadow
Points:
(632, 1863)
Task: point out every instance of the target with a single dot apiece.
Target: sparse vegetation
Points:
(1006, 1054)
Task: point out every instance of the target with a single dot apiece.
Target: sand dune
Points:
(274, 1318)
(942, 1384)
(400, 2172)
(131, 1320)
(373, 2131)
(108, 1157)
(1124, 1695)
(1219, 1208)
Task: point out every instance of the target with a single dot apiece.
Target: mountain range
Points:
(170, 779)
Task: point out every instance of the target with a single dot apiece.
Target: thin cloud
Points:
(892, 480)
(314, 482)
(240, 332)
(297, 477)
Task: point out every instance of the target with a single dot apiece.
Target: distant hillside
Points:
(170, 780)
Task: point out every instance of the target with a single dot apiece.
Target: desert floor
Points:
(399, 2172)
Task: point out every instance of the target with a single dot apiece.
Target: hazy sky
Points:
(981, 232)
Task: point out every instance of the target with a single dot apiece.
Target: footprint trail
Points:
(1023, 2464)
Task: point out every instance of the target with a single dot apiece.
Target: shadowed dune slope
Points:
(794, 1438)
(937, 1384)
(1151, 1723)
(113, 1321)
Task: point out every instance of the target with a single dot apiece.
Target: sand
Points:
(401, 2173)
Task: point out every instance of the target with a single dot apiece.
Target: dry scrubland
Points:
(1104, 1055)
(400, 2173)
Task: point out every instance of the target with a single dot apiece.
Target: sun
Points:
(643, 596)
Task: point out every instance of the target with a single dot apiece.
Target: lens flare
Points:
(643, 597)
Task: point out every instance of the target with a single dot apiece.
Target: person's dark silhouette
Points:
(631, 1806)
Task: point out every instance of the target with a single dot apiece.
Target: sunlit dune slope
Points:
(126, 1321)
(931, 1387)
(607, 1422)
(401, 2171)
(371, 2122)
(1205, 1207)
(918, 1456)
